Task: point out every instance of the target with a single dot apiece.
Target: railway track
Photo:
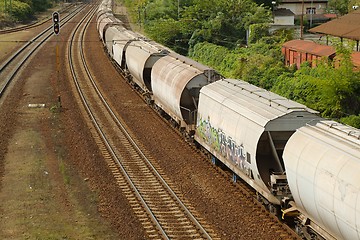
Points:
(162, 212)
(15, 62)
(247, 195)
(34, 24)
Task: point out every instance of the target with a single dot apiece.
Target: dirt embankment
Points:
(54, 183)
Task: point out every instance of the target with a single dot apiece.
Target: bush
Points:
(258, 31)
(21, 11)
(41, 5)
(352, 120)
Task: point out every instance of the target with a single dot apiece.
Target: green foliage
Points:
(332, 90)
(209, 54)
(351, 120)
(258, 31)
(221, 22)
(41, 5)
(339, 6)
(342, 7)
(161, 9)
(21, 11)
(225, 22)
(168, 32)
(260, 64)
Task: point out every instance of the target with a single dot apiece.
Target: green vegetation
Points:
(260, 63)
(181, 24)
(342, 7)
(232, 37)
(332, 88)
(21, 10)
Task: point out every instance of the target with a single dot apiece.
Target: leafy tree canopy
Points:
(23, 10)
(216, 33)
(216, 21)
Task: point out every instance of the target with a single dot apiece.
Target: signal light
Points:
(56, 17)
(56, 20)
(56, 28)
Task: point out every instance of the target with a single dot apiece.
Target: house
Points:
(283, 17)
(306, 7)
(346, 26)
(300, 51)
(355, 57)
(297, 52)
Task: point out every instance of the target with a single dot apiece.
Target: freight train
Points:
(299, 164)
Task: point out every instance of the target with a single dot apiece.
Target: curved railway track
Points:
(34, 24)
(14, 63)
(163, 217)
(247, 195)
(163, 214)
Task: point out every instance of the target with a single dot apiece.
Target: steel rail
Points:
(106, 142)
(33, 25)
(138, 150)
(6, 82)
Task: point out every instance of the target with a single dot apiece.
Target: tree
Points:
(223, 22)
(21, 10)
(41, 5)
(339, 6)
(169, 33)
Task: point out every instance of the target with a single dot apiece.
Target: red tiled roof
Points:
(347, 26)
(310, 47)
(330, 15)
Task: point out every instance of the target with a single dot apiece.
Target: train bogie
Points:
(322, 161)
(246, 128)
(176, 84)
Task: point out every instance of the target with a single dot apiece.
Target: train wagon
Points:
(176, 83)
(141, 55)
(246, 128)
(117, 34)
(104, 22)
(104, 7)
(120, 40)
(322, 163)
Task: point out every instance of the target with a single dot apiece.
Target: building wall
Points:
(294, 57)
(284, 20)
(296, 8)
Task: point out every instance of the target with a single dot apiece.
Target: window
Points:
(310, 10)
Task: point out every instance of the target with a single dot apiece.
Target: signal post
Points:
(56, 29)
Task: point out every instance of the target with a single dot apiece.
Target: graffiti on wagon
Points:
(223, 144)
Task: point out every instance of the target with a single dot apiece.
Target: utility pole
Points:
(302, 20)
(178, 9)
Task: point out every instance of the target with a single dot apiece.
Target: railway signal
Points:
(56, 21)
